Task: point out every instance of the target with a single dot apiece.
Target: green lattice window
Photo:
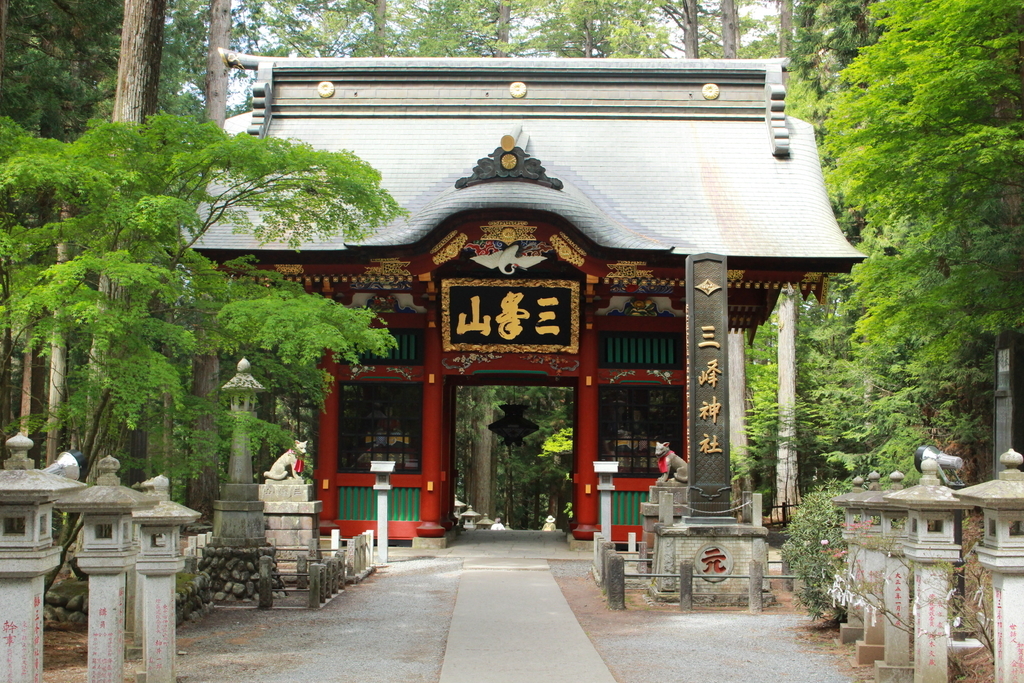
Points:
(641, 351)
(360, 503)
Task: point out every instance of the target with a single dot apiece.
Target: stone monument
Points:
(239, 529)
(696, 522)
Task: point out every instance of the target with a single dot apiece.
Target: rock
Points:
(238, 589)
(48, 613)
(219, 596)
(56, 599)
(232, 563)
(250, 588)
(60, 613)
(237, 575)
(228, 586)
(75, 602)
(250, 567)
(78, 618)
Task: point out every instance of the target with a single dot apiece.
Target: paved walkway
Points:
(489, 610)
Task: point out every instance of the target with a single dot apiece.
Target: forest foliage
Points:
(918, 107)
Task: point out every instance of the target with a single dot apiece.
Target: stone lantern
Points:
(850, 503)
(158, 563)
(382, 470)
(895, 668)
(107, 551)
(1001, 551)
(27, 553)
(930, 544)
(238, 514)
(863, 533)
(606, 471)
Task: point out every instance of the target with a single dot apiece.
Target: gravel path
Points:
(391, 627)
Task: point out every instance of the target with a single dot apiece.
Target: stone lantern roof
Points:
(929, 494)
(243, 381)
(107, 495)
(166, 512)
(1004, 493)
(29, 486)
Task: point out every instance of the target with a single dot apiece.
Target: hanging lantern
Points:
(513, 427)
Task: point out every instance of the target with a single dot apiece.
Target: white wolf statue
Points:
(286, 469)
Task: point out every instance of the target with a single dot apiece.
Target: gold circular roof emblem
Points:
(710, 91)
(325, 89)
(517, 90)
(508, 161)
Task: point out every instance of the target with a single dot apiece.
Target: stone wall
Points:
(234, 572)
(68, 601)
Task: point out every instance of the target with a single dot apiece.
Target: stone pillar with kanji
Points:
(1001, 551)
(931, 547)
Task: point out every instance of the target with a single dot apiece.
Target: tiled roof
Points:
(693, 176)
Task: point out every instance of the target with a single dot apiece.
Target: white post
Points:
(383, 470)
(606, 470)
(631, 541)
(335, 539)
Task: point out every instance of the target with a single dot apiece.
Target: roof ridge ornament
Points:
(775, 110)
(508, 162)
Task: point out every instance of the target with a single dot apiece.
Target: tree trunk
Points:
(730, 29)
(691, 45)
(202, 489)
(504, 18)
(216, 69)
(786, 467)
(785, 26)
(58, 371)
(738, 393)
(138, 67)
(482, 464)
(380, 25)
(38, 390)
(4, 10)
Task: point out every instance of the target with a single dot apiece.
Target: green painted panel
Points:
(626, 507)
(360, 503)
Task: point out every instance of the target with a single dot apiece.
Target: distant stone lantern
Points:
(1001, 551)
(27, 553)
(108, 549)
(930, 544)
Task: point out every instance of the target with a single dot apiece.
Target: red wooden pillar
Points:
(433, 436)
(327, 452)
(585, 496)
(447, 466)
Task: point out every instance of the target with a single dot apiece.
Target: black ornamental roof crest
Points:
(508, 162)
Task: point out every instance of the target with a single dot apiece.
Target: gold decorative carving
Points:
(517, 90)
(449, 247)
(812, 277)
(735, 275)
(289, 268)
(710, 91)
(708, 287)
(628, 269)
(325, 89)
(508, 161)
(508, 231)
(567, 250)
(390, 268)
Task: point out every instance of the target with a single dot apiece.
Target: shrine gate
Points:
(552, 208)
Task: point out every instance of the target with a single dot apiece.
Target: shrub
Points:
(816, 551)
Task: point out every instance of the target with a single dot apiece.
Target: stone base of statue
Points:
(292, 517)
(238, 517)
(649, 511)
(715, 550)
